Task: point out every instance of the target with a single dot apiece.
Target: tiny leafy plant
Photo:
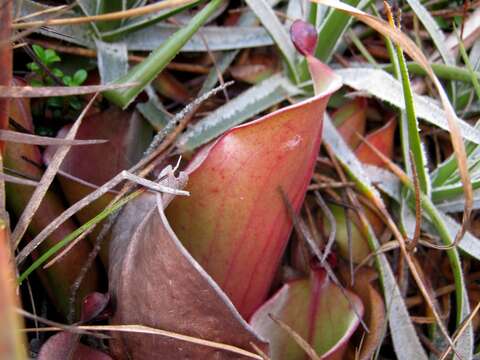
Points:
(48, 74)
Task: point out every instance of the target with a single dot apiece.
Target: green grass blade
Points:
(438, 37)
(279, 34)
(416, 146)
(147, 70)
(389, 184)
(332, 30)
(471, 72)
(449, 167)
(447, 192)
(363, 50)
(445, 72)
(72, 236)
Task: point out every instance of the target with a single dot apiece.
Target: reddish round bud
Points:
(304, 37)
(94, 304)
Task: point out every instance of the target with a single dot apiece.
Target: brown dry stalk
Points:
(118, 15)
(43, 12)
(297, 338)
(48, 91)
(141, 329)
(6, 72)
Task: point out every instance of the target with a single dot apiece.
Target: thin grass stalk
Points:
(415, 144)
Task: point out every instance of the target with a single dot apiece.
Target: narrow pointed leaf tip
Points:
(304, 37)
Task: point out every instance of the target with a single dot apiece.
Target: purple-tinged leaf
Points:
(88, 167)
(154, 281)
(64, 344)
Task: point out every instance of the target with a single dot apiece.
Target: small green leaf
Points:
(67, 80)
(79, 77)
(57, 72)
(55, 102)
(36, 83)
(75, 103)
(33, 67)
(51, 57)
(39, 51)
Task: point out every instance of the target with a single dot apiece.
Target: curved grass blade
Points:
(413, 131)
(446, 72)
(390, 185)
(280, 36)
(438, 37)
(146, 71)
(435, 218)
